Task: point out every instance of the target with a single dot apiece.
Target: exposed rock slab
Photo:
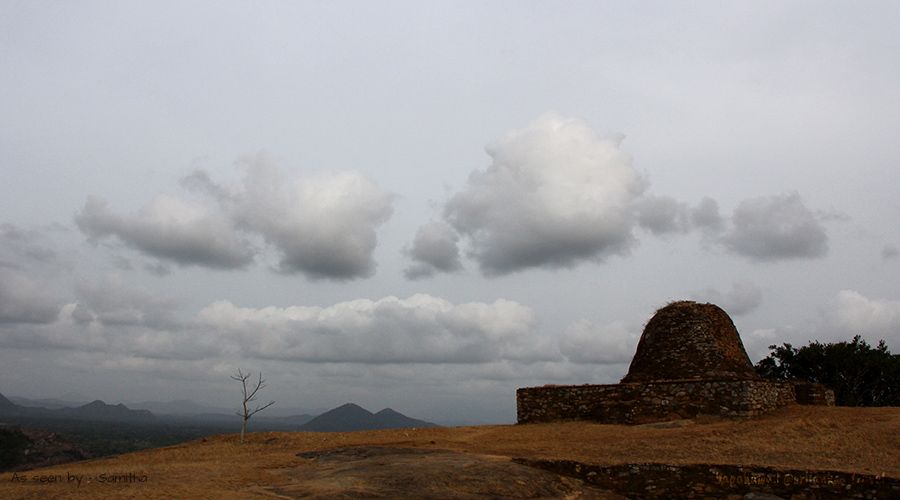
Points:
(383, 472)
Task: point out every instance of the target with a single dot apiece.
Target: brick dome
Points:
(690, 341)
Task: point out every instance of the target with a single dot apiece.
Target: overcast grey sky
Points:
(425, 205)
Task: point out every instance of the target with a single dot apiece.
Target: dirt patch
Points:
(388, 472)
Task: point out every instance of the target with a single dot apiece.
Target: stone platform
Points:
(690, 361)
(638, 403)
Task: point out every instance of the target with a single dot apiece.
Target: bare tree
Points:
(249, 396)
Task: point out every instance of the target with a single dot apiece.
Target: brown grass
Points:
(865, 440)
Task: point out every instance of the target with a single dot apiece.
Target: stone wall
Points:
(649, 481)
(686, 340)
(637, 403)
(809, 393)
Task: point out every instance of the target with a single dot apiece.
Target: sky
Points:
(426, 205)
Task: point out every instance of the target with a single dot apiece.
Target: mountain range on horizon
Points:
(352, 417)
(183, 407)
(6, 404)
(345, 418)
(31, 435)
(95, 410)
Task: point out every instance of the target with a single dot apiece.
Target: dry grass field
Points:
(865, 440)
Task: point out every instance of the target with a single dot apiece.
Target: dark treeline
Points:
(859, 374)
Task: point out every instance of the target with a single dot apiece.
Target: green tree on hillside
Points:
(861, 375)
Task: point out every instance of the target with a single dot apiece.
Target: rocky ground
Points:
(470, 461)
(24, 448)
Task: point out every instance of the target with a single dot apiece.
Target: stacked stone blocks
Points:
(689, 362)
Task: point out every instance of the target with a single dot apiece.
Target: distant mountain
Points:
(179, 407)
(262, 422)
(187, 407)
(48, 403)
(390, 419)
(351, 417)
(290, 411)
(348, 417)
(98, 410)
(231, 421)
(6, 406)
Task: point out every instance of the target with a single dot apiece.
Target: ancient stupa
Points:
(690, 361)
(690, 341)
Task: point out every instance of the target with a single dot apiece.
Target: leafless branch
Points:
(248, 396)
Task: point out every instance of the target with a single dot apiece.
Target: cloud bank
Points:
(418, 329)
(109, 316)
(557, 194)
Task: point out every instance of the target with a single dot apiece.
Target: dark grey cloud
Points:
(172, 229)
(890, 252)
(776, 228)
(122, 263)
(743, 298)
(706, 217)
(434, 249)
(108, 316)
(158, 269)
(19, 243)
(555, 195)
(663, 215)
(199, 181)
(30, 276)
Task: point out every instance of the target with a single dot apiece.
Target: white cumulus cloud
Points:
(555, 194)
(323, 226)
